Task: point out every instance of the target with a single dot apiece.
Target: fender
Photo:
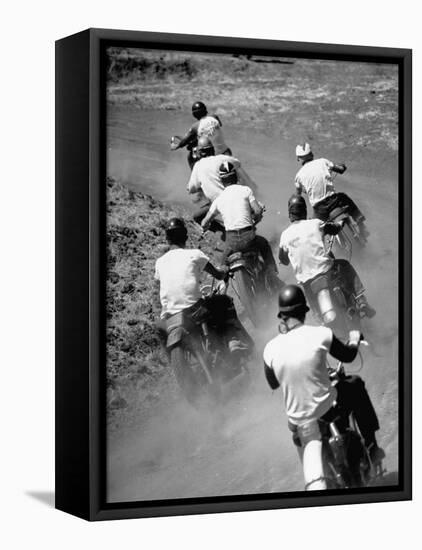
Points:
(249, 260)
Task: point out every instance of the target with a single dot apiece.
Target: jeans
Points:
(243, 240)
(338, 200)
(223, 311)
(352, 396)
(342, 274)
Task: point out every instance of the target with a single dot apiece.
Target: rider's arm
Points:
(339, 168)
(234, 161)
(212, 212)
(257, 209)
(217, 118)
(190, 136)
(194, 184)
(283, 256)
(299, 186)
(346, 352)
(268, 369)
(216, 272)
(271, 377)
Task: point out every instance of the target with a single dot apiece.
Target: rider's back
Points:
(298, 359)
(210, 126)
(316, 178)
(178, 272)
(205, 175)
(234, 205)
(304, 242)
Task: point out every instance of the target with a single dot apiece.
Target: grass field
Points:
(137, 367)
(352, 107)
(347, 104)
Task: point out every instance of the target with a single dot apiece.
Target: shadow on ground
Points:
(45, 497)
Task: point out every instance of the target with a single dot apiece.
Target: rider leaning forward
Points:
(206, 125)
(179, 271)
(315, 178)
(302, 245)
(295, 360)
(239, 211)
(205, 180)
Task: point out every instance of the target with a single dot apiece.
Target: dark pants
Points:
(352, 396)
(247, 239)
(344, 275)
(238, 339)
(323, 208)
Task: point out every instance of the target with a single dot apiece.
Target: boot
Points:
(364, 309)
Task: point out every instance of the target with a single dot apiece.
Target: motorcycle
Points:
(198, 346)
(345, 458)
(350, 234)
(192, 157)
(332, 305)
(251, 283)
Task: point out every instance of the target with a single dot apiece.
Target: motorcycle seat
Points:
(339, 212)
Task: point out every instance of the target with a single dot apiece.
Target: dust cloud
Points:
(245, 447)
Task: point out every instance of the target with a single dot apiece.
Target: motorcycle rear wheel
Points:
(190, 376)
(243, 286)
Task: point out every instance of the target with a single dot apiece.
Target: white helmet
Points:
(303, 150)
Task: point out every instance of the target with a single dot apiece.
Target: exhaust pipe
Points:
(326, 307)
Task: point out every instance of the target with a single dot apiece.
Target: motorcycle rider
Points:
(302, 245)
(316, 179)
(240, 211)
(179, 271)
(206, 125)
(205, 179)
(295, 360)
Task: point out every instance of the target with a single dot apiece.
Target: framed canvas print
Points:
(233, 274)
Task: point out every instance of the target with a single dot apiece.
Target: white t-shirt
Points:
(235, 206)
(304, 242)
(178, 271)
(205, 175)
(298, 359)
(210, 127)
(316, 179)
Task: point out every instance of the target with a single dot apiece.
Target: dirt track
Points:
(246, 449)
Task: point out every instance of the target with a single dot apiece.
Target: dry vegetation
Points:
(137, 366)
(352, 105)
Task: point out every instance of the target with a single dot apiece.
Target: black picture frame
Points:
(80, 267)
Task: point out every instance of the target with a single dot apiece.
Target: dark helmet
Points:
(199, 109)
(176, 231)
(297, 208)
(205, 148)
(227, 173)
(292, 302)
